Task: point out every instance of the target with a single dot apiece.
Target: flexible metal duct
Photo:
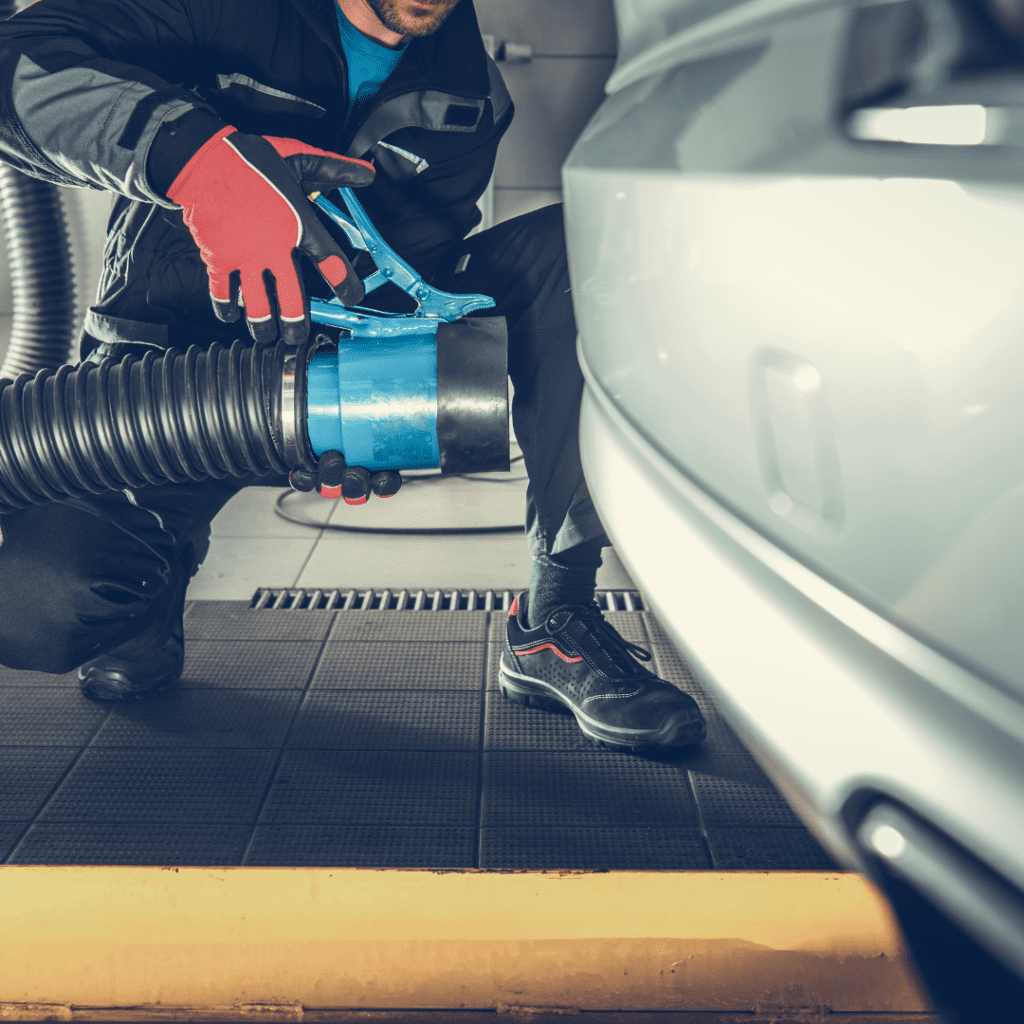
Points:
(39, 256)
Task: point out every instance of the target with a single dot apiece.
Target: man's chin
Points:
(411, 18)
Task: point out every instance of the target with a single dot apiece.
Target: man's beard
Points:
(394, 16)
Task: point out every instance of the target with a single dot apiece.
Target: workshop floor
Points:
(339, 736)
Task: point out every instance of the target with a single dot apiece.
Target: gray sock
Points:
(566, 578)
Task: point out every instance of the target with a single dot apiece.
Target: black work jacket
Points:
(90, 88)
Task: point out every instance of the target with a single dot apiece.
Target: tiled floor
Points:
(369, 738)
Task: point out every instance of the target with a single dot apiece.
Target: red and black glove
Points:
(335, 479)
(244, 200)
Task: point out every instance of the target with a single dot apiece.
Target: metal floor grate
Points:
(340, 599)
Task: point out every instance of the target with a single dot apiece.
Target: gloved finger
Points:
(330, 468)
(300, 479)
(254, 295)
(293, 309)
(355, 485)
(332, 263)
(386, 483)
(224, 295)
(320, 170)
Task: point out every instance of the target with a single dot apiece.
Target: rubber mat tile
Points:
(343, 846)
(27, 775)
(48, 716)
(274, 664)
(9, 832)
(768, 849)
(235, 620)
(733, 792)
(630, 626)
(14, 677)
(213, 845)
(373, 788)
(512, 726)
(594, 849)
(493, 661)
(720, 737)
(409, 627)
(388, 720)
(444, 666)
(189, 786)
(579, 790)
(496, 627)
(668, 664)
(202, 718)
(655, 630)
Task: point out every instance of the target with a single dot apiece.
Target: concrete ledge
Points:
(277, 940)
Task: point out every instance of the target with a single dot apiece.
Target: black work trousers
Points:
(80, 577)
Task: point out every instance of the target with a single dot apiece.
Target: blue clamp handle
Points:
(433, 304)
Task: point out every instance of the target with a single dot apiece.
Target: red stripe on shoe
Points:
(514, 610)
(330, 492)
(355, 501)
(550, 647)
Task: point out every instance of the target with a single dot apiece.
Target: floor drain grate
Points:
(275, 599)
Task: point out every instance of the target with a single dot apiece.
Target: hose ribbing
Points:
(159, 419)
(42, 270)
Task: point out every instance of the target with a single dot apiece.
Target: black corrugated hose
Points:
(42, 270)
(159, 419)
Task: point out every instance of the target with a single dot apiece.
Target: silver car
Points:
(796, 237)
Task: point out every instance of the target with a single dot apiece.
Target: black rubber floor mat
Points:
(232, 620)
(401, 666)
(548, 790)
(50, 716)
(373, 787)
(511, 726)
(360, 846)
(201, 718)
(762, 849)
(732, 791)
(27, 776)
(407, 627)
(374, 738)
(594, 849)
(12, 677)
(184, 785)
(388, 720)
(182, 844)
(9, 832)
(270, 664)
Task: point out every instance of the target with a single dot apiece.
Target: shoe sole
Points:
(99, 684)
(535, 693)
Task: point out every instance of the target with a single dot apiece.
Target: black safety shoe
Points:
(577, 660)
(156, 657)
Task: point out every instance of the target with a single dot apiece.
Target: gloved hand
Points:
(335, 479)
(244, 200)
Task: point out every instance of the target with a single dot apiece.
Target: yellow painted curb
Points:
(354, 938)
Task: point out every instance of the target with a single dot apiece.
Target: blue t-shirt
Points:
(369, 63)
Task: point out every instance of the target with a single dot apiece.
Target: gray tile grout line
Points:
(57, 785)
(700, 819)
(284, 741)
(309, 555)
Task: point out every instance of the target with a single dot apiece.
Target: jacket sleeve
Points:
(85, 87)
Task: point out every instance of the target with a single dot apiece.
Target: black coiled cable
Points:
(160, 419)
